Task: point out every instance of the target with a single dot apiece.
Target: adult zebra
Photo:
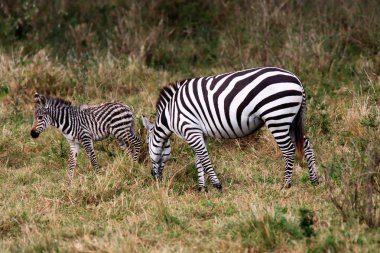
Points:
(86, 124)
(231, 105)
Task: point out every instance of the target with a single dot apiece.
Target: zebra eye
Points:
(39, 117)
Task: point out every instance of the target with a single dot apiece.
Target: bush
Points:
(358, 195)
(180, 35)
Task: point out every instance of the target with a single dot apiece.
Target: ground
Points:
(124, 210)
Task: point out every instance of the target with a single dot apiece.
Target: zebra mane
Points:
(58, 101)
(166, 93)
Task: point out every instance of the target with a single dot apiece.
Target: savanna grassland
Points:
(94, 51)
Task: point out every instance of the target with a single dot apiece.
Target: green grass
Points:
(125, 210)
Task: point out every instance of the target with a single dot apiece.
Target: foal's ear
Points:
(146, 123)
(39, 99)
(36, 97)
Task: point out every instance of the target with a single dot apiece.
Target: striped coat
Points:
(85, 124)
(231, 105)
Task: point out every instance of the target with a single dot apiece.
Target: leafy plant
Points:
(358, 198)
(306, 222)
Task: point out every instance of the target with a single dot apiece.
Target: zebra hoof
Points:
(68, 182)
(287, 185)
(315, 182)
(218, 186)
(202, 189)
(100, 172)
(157, 177)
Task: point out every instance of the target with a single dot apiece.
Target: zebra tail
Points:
(297, 128)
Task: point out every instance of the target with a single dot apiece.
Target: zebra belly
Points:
(100, 136)
(99, 133)
(253, 123)
(71, 138)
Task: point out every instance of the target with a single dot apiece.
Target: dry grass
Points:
(125, 211)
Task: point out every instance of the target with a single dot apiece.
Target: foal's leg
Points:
(89, 147)
(74, 149)
(128, 140)
(135, 142)
(121, 135)
(125, 146)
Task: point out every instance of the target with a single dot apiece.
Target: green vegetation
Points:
(94, 51)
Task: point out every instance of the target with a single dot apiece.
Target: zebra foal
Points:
(231, 105)
(85, 124)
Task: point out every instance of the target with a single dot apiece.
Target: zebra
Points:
(85, 124)
(231, 105)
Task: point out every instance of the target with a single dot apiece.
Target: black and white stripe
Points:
(86, 124)
(231, 105)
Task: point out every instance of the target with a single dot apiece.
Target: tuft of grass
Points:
(267, 231)
(330, 244)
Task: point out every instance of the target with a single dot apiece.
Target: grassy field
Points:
(333, 48)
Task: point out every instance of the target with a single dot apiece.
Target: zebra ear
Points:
(44, 101)
(146, 123)
(37, 97)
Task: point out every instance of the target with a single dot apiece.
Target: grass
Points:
(110, 51)
(124, 210)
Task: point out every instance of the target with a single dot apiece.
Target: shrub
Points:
(357, 197)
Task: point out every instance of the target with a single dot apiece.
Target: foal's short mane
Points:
(59, 101)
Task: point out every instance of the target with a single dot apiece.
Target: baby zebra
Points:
(86, 124)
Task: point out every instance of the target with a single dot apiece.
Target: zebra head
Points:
(41, 117)
(159, 148)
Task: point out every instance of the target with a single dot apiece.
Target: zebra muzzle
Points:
(157, 173)
(34, 134)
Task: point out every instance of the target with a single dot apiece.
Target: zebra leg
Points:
(288, 150)
(201, 172)
(198, 145)
(125, 146)
(89, 147)
(160, 170)
(74, 148)
(310, 158)
(201, 176)
(136, 142)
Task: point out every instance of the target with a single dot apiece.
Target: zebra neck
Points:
(163, 121)
(63, 118)
(162, 133)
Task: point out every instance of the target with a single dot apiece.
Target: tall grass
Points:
(180, 35)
